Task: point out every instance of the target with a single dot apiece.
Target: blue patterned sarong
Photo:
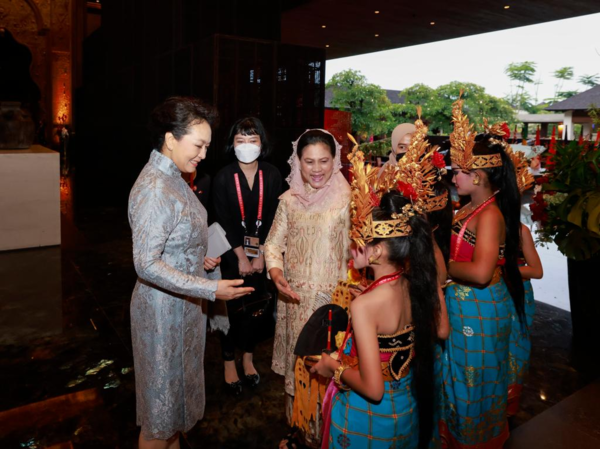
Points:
(475, 366)
(519, 351)
(362, 424)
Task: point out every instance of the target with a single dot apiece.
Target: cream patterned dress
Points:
(310, 245)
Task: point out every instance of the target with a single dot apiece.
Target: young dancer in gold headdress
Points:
(383, 390)
(484, 252)
(530, 267)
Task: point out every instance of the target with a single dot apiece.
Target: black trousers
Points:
(244, 329)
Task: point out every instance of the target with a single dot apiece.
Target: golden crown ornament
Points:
(462, 140)
(414, 177)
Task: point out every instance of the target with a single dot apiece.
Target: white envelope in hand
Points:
(217, 242)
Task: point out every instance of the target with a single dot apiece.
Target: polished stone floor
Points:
(66, 364)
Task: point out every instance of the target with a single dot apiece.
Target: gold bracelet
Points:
(337, 376)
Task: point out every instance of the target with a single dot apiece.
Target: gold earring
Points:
(373, 261)
(476, 181)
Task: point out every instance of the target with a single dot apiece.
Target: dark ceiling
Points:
(351, 25)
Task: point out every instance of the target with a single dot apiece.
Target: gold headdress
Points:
(414, 176)
(462, 140)
(525, 179)
(421, 167)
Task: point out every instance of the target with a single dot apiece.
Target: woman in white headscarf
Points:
(400, 141)
(306, 252)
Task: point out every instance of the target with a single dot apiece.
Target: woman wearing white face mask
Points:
(245, 198)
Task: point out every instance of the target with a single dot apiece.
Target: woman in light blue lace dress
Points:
(175, 279)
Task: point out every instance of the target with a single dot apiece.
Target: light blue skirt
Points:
(475, 366)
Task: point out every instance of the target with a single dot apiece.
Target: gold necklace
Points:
(467, 210)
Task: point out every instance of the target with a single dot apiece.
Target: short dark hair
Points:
(176, 115)
(248, 126)
(313, 137)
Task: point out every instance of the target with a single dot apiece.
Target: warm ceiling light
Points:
(431, 23)
(507, 7)
(377, 35)
(327, 45)
(376, 12)
(323, 26)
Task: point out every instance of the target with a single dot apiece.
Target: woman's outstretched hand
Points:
(229, 289)
(282, 285)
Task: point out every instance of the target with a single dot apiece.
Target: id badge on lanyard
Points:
(251, 242)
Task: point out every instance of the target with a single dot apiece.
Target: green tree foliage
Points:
(522, 74)
(563, 74)
(370, 107)
(589, 80)
(436, 105)
(564, 94)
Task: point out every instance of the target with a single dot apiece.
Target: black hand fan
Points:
(313, 338)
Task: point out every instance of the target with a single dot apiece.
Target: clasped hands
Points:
(247, 268)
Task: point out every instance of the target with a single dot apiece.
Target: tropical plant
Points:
(563, 74)
(436, 105)
(370, 107)
(567, 207)
(589, 80)
(522, 73)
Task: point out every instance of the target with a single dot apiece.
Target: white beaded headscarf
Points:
(336, 188)
(397, 134)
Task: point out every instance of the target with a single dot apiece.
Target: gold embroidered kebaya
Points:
(414, 176)
(462, 140)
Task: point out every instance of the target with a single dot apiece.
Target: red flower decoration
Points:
(539, 208)
(438, 160)
(407, 190)
(375, 200)
(542, 180)
(506, 130)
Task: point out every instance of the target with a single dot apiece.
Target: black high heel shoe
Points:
(234, 388)
(252, 380)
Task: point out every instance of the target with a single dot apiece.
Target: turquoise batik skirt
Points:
(519, 351)
(475, 366)
(362, 424)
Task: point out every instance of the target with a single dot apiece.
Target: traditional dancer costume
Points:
(520, 342)
(475, 359)
(358, 422)
(350, 420)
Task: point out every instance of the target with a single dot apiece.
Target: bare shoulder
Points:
(377, 299)
(367, 302)
(492, 212)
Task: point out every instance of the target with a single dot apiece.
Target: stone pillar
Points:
(587, 131)
(61, 60)
(568, 126)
